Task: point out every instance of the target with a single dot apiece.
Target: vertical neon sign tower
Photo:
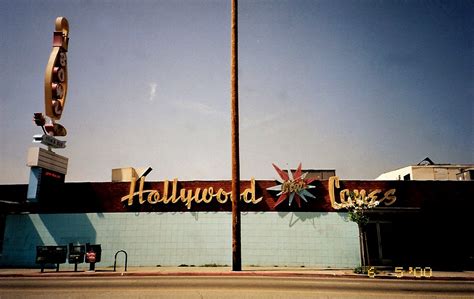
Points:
(48, 168)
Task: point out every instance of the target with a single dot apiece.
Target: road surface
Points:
(229, 287)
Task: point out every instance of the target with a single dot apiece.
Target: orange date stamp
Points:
(417, 272)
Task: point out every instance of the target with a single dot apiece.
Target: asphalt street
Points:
(229, 287)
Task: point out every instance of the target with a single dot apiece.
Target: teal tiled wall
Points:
(172, 239)
(299, 239)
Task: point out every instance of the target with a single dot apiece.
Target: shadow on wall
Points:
(195, 215)
(23, 232)
(302, 216)
(20, 241)
(69, 228)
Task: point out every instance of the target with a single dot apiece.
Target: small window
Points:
(407, 177)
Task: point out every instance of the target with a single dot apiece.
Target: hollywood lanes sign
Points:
(214, 196)
(211, 196)
(106, 197)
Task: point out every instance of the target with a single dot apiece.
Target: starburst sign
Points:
(293, 186)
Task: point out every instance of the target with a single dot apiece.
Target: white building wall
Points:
(426, 172)
(452, 173)
(423, 173)
(395, 174)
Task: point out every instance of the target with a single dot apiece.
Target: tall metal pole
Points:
(234, 90)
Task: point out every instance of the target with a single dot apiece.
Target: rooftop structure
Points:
(427, 170)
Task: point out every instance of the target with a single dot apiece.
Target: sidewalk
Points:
(66, 271)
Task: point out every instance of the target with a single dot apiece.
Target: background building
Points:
(426, 170)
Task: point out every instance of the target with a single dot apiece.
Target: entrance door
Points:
(380, 242)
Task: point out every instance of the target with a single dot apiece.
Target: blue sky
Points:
(362, 87)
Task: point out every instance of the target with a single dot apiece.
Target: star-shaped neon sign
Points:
(293, 186)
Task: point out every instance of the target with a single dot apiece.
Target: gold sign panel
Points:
(198, 195)
(387, 197)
